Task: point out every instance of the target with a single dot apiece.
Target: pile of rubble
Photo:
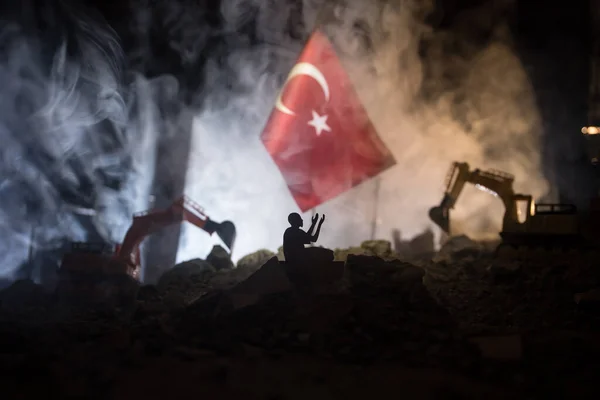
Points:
(490, 294)
(461, 309)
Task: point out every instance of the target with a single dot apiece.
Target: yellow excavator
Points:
(525, 223)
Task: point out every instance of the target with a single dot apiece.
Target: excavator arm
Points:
(184, 209)
(496, 182)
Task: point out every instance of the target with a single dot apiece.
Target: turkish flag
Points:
(319, 134)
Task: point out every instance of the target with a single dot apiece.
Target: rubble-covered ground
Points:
(464, 322)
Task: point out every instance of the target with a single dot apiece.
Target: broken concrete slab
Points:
(183, 272)
(255, 260)
(220, 259)
(269, 279)
(457, 247)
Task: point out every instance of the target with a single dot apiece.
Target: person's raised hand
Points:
(315, 218)
(322, 219)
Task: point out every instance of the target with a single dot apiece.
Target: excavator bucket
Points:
(227, 233)
(440, 216)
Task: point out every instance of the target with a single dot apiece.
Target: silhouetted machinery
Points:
(100, 271)
(525, 223)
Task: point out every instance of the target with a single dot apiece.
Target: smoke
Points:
(80, 127)
(74, 161)
(434, 96)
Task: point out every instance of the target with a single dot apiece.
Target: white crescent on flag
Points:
(302, 69)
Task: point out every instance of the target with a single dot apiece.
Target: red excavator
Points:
(107, 272)
(525, 223)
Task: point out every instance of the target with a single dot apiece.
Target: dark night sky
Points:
(554, 42)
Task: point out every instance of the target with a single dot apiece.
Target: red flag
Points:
(319, 134)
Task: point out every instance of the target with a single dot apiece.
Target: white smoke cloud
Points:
(487, 117)
(69, 122)
(70, 141)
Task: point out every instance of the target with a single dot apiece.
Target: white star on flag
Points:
(319, 122)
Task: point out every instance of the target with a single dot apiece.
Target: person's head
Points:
(295, 220)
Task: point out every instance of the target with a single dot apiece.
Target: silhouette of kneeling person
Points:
(295, 238)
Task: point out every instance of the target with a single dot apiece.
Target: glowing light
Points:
(532, 208)
(590, 130)
(484, 189)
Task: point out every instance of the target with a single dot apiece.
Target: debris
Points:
(181, 274)
(379, 248)
(255, 260)
(420, 246)
(343, 254)
(219, 258)
(457, 247)
(451, 315)
(270, 278)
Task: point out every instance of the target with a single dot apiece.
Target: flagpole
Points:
(375, 208)
(318, 21)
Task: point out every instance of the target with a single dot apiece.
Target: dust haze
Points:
(79, 120)
(483, 113)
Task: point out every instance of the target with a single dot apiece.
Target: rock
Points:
(458, 247)
(439, 271)
(342, 254)
(270, 278)
(280, 254)
(182, 273)
(220, 259)
(255, 260)
(379, 248)
(372, 270)
(508, 347)
(420, 246)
